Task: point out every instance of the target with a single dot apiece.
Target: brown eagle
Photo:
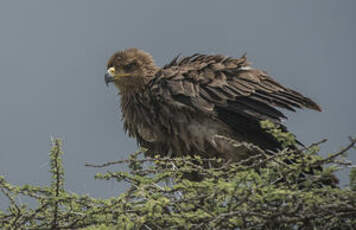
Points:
(200, 104)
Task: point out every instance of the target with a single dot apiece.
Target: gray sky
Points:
(53, 56)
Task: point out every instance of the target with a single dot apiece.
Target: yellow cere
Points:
(111, 71)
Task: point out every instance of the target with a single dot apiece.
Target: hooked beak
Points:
(108, 78)
(112, 75)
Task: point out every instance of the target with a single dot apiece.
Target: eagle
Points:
(201, 104)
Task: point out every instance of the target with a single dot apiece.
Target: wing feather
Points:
(209, 83)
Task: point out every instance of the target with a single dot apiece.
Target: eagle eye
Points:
(131, 66)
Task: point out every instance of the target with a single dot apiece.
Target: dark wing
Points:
(228, 89)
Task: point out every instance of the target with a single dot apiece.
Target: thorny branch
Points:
(248, 195)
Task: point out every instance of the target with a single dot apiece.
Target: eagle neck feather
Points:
(133, 112)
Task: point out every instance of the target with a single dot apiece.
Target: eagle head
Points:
(130, 69)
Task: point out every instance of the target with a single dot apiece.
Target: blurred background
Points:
(53, 56)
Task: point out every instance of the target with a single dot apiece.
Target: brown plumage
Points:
(201, 104)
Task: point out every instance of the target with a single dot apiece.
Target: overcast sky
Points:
(53, 56)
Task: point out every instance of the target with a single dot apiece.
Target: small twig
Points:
(149, 159)
(335, 155)
(316, 144)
